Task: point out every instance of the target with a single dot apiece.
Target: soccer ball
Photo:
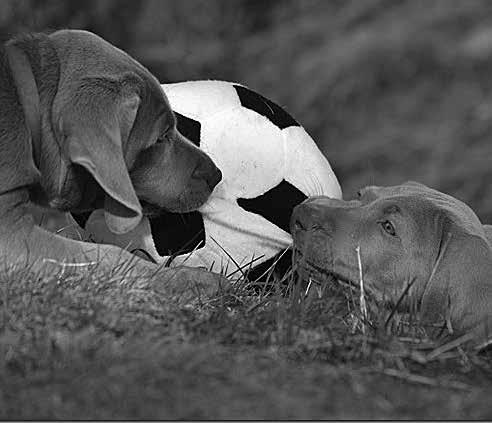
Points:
(269, 165)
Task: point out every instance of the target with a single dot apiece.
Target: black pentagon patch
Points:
(275, 205)
(273, 112)
(82, 218)
(188, 127)
(177, 233)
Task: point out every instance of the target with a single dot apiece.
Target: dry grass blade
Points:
(455, 343)
(61, 230)
(424, 380)
(69, 264)
(272, 267)
(308, 287)
(362, 297)
(177, 253)
(400, 299)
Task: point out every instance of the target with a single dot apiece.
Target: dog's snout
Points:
(299, 225)
(208, 172)
(316, 213)
(302, 218)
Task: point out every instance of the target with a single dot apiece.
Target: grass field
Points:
(90, 346)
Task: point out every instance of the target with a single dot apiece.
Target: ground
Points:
(92, 347)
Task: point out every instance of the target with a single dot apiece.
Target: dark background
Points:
(391, 90)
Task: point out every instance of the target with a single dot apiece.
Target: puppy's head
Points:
(119, 135)
(407, 234)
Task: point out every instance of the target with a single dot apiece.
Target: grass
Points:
(86, 346)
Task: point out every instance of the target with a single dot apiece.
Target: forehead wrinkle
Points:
(424, 216)
(392, 209)
(459, 212)
(409, 209)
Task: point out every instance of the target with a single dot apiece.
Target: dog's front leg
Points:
(23, 244)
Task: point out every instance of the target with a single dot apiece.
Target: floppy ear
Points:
(459, 291)
(488, 233)
(414, 184)
(96, 121)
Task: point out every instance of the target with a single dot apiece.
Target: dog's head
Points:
(117, 138)
(406, 234)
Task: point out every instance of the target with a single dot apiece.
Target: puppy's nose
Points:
(319, 211)
(215, 179)
(301, 219)
(207, 171)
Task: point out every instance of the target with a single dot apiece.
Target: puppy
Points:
(407, 235)
(84, 126)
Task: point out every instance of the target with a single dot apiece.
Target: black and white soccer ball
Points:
(269, 165)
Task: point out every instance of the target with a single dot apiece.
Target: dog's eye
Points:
(388, 227)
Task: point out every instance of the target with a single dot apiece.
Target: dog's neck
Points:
(27, 91)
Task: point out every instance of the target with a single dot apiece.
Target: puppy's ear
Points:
(414, 184)
(459, 291)
(97, 120)
(488, 233)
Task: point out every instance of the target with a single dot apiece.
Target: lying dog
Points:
(407, 234)
(84, 126)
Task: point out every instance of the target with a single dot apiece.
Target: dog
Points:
(411, 238)
(85, 126)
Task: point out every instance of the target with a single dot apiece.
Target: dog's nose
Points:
(317, 211)
(301, 219)
(207, 171)
(214, 179)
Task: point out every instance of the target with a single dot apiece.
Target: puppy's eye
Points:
(388, 227)
(359, 193)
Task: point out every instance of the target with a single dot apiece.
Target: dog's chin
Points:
(182, 205)
(308, 268)
(188, 205)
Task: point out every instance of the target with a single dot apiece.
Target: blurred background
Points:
(390, 90)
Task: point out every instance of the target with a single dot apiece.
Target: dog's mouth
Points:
(181, 206)
(308, 269)
(151, 210)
